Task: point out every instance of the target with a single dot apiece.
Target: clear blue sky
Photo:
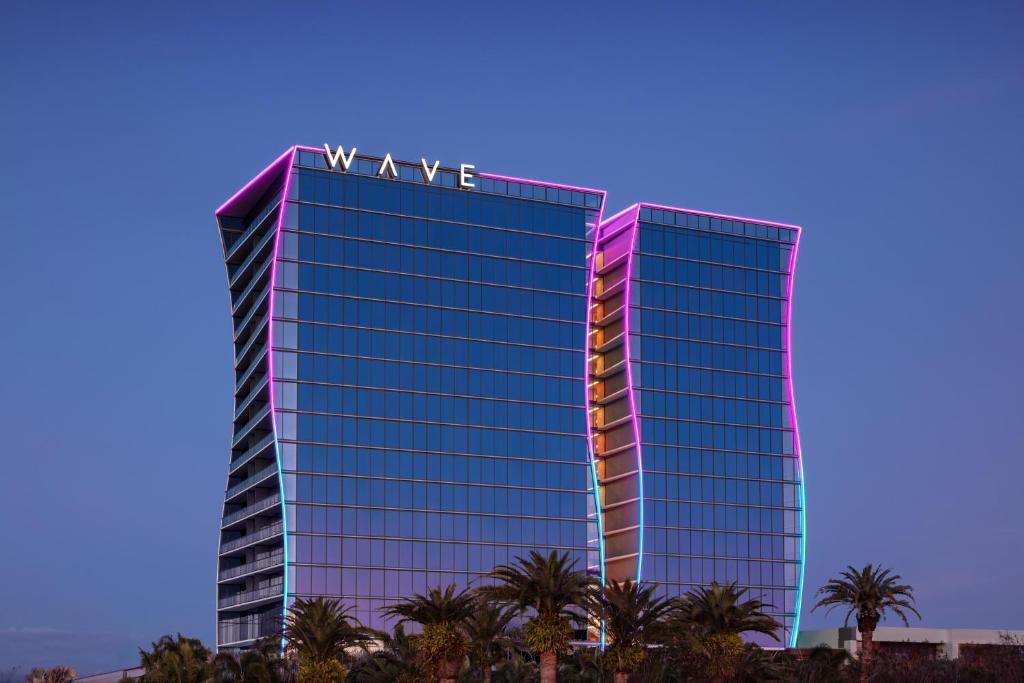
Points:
(891, 131)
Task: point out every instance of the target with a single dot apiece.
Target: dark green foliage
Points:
(262, 663)
(823, 665)
(177, 660)
(584, 665)
(517, 669)
(489, 639)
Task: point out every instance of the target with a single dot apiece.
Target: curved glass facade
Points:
(436, 379)
(426, 346)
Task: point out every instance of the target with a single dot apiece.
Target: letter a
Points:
(333, 159)
(428, 173)
(386, 164)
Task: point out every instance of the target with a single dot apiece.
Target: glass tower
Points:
(409, 382)
(436, 373)
(692, 418)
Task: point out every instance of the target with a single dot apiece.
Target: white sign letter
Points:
(339, 156)
(428, 173)
(465, 175)
(386, 164)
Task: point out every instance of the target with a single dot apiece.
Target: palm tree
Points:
(442, 613)
(176, 660)
(633, 617)
(549, 586)
(869, 593)
(320, 631)
(708, 622)
(489, 642)
(721, 609)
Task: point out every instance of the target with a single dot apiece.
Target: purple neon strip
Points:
(224, 208)
(726, 216)
(270, 376)
(631, 392)
(610, 227)
(794, 630)
(619, 214)
(592, 455)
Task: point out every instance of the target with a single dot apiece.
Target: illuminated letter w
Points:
(339, 156)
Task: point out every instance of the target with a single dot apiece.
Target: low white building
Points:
(948, 641)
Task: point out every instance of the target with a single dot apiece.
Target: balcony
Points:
(255, 336)
(251, 259)
(238, 302)
(253, 364)
(257, 308)
(607, 286)
(250, 510)
(254, 227)
(261, 476)
(258, 595)
(275, 560)
(246, 429)
(253, 393)
(257, 536)
(253, 451)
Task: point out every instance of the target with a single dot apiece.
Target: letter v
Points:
(428, 173)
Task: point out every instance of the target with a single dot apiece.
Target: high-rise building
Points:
(692, 419)
(424, 353)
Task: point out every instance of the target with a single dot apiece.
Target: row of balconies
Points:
(255, 225)
(250, 510)
(259, 477)
(250, 596)
(252, 538)
(274, 560)
(246, 267)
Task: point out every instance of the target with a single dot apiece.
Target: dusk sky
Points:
(890, 131)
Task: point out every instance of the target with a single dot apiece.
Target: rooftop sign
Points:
(388, 170)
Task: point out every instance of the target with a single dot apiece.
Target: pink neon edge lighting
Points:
(631, 392)
(726, 216)
(222, 209)
(598, 236)
(790, 394)
(586, 398)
